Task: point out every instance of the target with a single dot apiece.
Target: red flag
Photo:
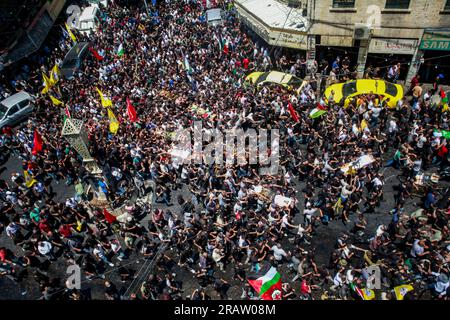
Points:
(442, 93)
(96, 54)
(108, 216)
(37, 143)
(293, 113)
(131, 111)
(225, 49)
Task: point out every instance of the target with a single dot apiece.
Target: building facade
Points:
(26, 24)
(374, 33)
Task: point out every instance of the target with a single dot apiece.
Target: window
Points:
(349, 88)
(23, 104)
(13, 110)
(391, 89)
(397, 4)
(343, 3)
(447, 5)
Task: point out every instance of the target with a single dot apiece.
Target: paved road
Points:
(323, 243)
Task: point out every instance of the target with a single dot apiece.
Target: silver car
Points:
(16, 108)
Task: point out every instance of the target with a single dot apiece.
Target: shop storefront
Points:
(435, 47)
(385, 52)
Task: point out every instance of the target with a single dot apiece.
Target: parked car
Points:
(214, 17)
(16, 108)
(74, 59)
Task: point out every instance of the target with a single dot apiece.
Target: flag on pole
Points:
(219, 41)
(357, 290)
(54, 75)
(187, 65)
(72, 36)
(29, 181)
(47, 83)
(293, 112)
(37, 143)
(120, 50)
(55, 101)
(318, 111)
(131, 111)
(268, 286)
(444, 100)
(401, 291)
(105, 101)
(113, 123)
(226, 49)
(95, 54)
(66, 113)
(108, 216)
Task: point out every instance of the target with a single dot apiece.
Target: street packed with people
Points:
(358, 188)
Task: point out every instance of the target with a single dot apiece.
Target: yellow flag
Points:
(47, 83)
(401, 291)
(113, 123)
(368, 294)
(54, 75)
(55, 101)
(105, 101)
(29, 181)
(363, 124)
(445, 107)
(72, 36)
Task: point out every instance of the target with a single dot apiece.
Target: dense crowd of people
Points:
(219, 224)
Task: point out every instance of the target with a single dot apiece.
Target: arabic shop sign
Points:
(392, 46)
(436, 40)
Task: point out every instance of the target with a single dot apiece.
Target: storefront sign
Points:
(392, 46)
(436, 40)
(288, 40)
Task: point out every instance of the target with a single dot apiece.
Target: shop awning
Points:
(31, 40)
(275, 22)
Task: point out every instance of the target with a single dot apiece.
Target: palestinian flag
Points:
(268, 286)
(120, 50)
(364, 294)
(226, 48)
(37, 143)
(445, 133)
(357, 290)
(401, 291)
(318, 111)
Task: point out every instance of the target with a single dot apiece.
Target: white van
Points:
(89, 20)
(96, 2)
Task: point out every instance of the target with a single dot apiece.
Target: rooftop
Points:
(276, 15)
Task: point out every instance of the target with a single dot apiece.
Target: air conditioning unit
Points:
(362, 31)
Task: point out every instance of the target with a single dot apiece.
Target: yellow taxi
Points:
(346, 91)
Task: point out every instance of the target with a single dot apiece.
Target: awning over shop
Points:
(275, 22)
(31, 40)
